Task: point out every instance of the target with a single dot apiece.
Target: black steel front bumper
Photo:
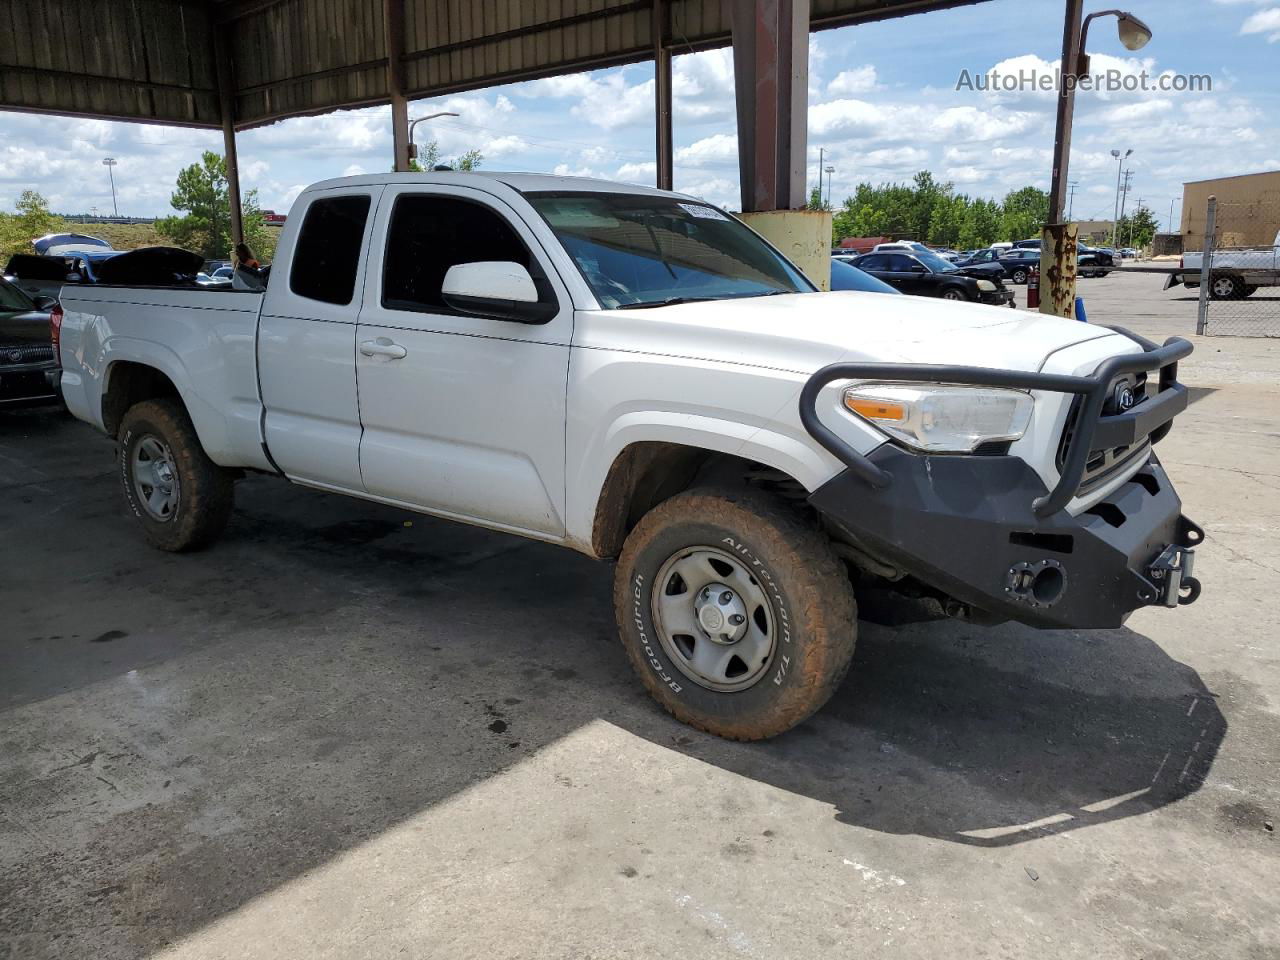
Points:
(985, 531)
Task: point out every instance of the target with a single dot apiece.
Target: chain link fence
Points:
(1239, 278)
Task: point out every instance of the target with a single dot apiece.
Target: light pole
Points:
(830, 171)
(821, 152)
(109, 163)
(1058, 239)
(1115, 210)
(1172, 201)
(413, 147)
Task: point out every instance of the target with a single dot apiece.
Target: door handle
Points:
(383, 347)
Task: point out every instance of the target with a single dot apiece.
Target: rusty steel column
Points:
(227, 109)
(662, 96)
(771, 87)
(393, 23)
(1058, 269)
(1058, 275)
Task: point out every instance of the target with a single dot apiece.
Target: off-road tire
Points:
(804, 581)
(206, 491)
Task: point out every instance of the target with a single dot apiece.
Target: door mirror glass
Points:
(495, 288)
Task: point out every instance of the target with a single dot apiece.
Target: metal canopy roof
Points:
(155, 60)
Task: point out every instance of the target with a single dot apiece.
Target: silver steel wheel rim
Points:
(1223, 288)
(698, 597)
(155, 478)
(1019, 277)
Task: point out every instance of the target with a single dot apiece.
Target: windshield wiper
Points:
(668, 302)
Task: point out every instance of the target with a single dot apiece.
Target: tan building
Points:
(1248, 210)
(1094, 231)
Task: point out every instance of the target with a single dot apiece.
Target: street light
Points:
(413, 147)
(830, 170)
(109, 163)
(1115, 211)
(1058, 283)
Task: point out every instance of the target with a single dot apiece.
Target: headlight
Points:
(986, 285)
(942, 417)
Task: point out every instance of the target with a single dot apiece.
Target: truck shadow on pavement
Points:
(333, 668)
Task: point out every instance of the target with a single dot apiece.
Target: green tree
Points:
(32, 220)
(1024, 213)
(816, 202)
(202, 193)
(1136, 229)
(429, 157)
(980, 225)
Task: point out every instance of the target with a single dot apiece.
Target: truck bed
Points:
(203, 340)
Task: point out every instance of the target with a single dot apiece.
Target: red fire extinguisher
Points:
(1033, 288)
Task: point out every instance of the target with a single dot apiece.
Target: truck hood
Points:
(803, 332)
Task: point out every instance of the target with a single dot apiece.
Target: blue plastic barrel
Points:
(1080, 314)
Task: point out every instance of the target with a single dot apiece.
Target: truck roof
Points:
(522, 182)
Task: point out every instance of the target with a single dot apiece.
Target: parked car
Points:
(28, 364)
(1128, 253)
(1235, 274)
(62, 244)
(928, 275)
(1019, 262)
(845, 276)
(976, 257)
(636, 375)
(38, 275)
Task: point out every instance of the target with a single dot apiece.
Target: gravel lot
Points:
(352, 731)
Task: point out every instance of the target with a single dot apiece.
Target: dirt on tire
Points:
(805, 581)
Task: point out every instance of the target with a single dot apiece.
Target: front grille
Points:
(1104, 464)
(26, 353)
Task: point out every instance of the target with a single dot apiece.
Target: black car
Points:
(1019, 262)
(929, 275)
(29, 368)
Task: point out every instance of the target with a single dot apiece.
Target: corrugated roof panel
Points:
(153, 59)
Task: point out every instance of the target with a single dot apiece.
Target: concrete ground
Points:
(351, 731)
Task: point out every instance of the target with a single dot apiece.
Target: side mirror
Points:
(496, 288)
(44, 303)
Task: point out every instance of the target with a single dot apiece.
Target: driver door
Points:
(463, 414)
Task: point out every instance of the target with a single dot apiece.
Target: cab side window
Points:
(429, 234)
(326, 257)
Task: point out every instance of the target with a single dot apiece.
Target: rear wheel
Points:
(181, 498)
(1019, 276)
(1226, 287)
(734, 611)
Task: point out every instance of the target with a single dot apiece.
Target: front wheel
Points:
(735, 611)
(181, 498)
(954, 293)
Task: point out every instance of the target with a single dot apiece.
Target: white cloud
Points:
(859, 80)
(1264, 21)
(354, 170)
(717, 149)
(637, 173)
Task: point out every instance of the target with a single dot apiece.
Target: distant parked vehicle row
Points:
(929, 275)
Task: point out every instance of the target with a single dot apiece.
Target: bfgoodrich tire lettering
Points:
(810, 604)
(204, 491)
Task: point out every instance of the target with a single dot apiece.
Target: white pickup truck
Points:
(638, 376)
(1233, 273)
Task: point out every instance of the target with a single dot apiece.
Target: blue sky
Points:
(883, 104)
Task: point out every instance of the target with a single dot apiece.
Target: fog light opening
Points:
(1047, 585)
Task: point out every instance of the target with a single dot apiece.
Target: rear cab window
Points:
(326, 257)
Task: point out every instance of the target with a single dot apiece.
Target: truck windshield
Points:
(640, 251)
